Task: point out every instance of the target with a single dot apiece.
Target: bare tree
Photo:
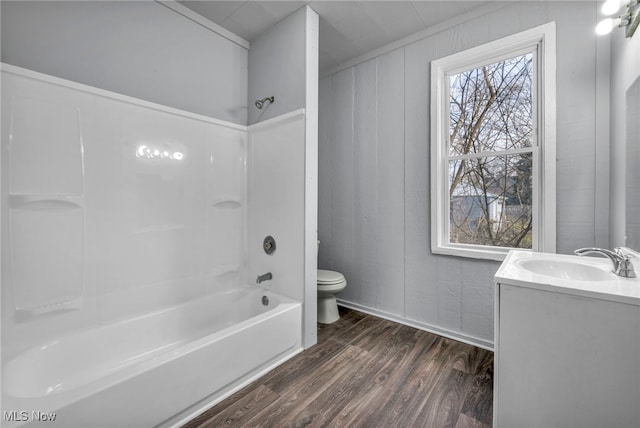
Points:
(491, 112)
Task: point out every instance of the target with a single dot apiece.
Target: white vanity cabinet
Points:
(567, 350)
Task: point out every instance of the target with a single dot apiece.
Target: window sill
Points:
(475, 252)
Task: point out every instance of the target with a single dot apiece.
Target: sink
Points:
(565, 269)
(581, 276)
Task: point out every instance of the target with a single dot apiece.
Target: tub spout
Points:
(267, 276)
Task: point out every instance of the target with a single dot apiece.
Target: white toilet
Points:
(330, 283)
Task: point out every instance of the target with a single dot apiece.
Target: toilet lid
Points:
(329, 277)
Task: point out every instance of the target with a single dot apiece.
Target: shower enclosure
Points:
(131, 240)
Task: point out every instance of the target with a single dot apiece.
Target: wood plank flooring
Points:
(367, 372)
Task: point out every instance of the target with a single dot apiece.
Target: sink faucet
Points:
(622, 265)
(265, 277)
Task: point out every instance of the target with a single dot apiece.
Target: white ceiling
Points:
(348, 29)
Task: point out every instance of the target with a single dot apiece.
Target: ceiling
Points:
(348, 29)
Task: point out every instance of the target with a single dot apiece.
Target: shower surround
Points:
(128, 266)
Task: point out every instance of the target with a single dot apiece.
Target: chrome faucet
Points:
(622, 265)
(267, 276)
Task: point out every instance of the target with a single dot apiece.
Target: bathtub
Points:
(155, 369)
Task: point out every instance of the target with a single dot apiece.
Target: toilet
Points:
(330, 283)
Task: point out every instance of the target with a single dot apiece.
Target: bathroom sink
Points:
(581, 276)
(576, 270)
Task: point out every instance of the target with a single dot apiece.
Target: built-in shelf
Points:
(46, 243)
(45, 202)
(227, 202)
(27, 313)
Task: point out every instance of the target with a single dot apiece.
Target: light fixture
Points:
(606, 25)
(629, 19)
(611, 7)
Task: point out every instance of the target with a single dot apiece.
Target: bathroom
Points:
(113, 249)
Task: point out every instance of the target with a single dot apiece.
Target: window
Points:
(493, 147)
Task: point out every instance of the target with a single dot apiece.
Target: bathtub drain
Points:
(265, 300)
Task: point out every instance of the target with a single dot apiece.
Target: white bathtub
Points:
(142, 372)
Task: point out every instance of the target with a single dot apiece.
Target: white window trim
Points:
(542, 39)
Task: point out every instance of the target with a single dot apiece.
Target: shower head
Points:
(260, 103)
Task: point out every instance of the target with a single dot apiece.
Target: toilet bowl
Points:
(330, 283)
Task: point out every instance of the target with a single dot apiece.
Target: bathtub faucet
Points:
(267, 276)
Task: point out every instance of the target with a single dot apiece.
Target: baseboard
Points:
(464, 338)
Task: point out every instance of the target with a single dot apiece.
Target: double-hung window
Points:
(493, 147)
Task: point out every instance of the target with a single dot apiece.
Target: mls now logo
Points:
(16, 416)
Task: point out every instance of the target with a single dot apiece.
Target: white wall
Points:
(136, 48)
(625, 69)
(632, 177)
(374, 213)
(277, 68)
(283, 160)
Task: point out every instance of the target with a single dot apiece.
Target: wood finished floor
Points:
(367, 372)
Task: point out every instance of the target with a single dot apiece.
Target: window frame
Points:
(541, 41)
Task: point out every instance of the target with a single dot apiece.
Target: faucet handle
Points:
(625, 267)
(624, 253)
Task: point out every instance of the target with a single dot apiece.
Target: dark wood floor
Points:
(367, 372)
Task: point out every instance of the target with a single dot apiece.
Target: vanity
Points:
(567, 343)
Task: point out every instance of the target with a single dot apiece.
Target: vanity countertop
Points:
(608, 286)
